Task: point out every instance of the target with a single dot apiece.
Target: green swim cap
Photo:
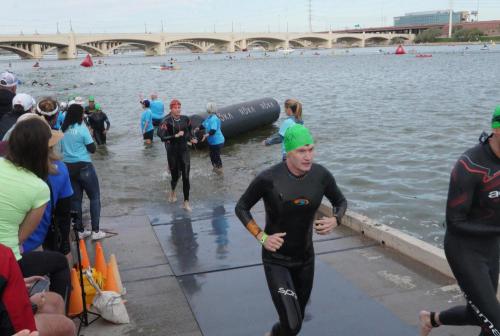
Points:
(97, 107)
(297, 136)
(495, 120)
(91, 98)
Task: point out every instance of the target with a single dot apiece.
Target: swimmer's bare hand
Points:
(325, 225)
(274, 241)
(179, 134)
(195, 141)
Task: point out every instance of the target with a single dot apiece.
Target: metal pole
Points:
(450, 23)
(310, 16)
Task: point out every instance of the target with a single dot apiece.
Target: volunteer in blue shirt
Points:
(157, 109)
(147, 128)
(213, 133)
(293, 110)
(76, 146)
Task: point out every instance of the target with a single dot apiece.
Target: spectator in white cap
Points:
(8, 86)
(21, 104)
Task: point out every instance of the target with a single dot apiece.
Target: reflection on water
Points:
(183, 240)
(389, 127)
(220, 226)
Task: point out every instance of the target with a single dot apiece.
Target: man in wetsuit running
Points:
(471, 241)
(175, 131)
(292, 192)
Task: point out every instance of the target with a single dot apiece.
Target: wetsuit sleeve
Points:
(250, 197)
(106, 120)
(335, 196)
(459, 204)
(163, 132)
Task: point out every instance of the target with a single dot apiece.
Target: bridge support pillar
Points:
(243, 44)
(36, 49)
(230, 47)
(68, 52)
(329, 44)
(158, 49)
(363, 40)
(286, 44)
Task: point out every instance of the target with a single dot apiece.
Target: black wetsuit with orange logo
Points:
(471, 242)
(291, 203)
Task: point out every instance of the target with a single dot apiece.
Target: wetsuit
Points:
(471, 240)
(99, 122)
(291, 203)
(178, 157)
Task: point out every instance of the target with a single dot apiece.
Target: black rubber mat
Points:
(214, 239)
(237, 303)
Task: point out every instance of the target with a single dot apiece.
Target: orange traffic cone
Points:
(100, 262)
(75, 299)
(116, 273)
(110, 283)
(84, 255)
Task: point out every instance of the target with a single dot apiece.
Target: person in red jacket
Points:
(16, 313)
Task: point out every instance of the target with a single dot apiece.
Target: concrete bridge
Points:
(157, 44)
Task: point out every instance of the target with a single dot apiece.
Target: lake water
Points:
(389, 127)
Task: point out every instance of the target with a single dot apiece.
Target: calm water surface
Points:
(389, 127)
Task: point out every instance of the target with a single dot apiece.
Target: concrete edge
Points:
(403, 243)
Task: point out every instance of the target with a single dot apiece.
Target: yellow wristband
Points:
(263, 238)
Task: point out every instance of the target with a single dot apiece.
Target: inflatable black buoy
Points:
(244, 117)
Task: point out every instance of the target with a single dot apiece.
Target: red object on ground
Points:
(87, 62)
(400, 50)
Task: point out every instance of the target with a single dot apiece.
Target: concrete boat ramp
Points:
(200, 273)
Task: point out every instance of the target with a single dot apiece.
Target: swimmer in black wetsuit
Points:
(292, 192)
(99, 123)
(175, 131)
(471, 239)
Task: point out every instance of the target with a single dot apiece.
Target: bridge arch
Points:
(190, 45)
(18, 51)
(349, 40)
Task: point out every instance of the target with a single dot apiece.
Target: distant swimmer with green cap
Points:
(292, 192)
(471, 241)
(91, 106)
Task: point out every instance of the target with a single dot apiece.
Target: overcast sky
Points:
(99, 16)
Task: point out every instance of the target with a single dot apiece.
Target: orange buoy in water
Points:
(87, 62)
(400, 50)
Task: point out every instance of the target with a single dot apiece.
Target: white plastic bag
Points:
(111, 307)
(108, 304)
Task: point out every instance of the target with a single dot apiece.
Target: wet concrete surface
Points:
(200, 273)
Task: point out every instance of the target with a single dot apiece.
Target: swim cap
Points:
(495, 121)
(175, 102)
(297, 136)
(91, 98)
(97, 107)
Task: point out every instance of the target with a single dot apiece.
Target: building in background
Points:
(431, 18)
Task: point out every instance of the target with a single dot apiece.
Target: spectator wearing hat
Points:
(21, 104)
(8, 86)
(48, 108)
